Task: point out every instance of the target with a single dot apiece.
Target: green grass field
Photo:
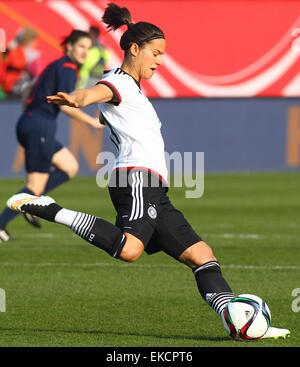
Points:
(61, 291)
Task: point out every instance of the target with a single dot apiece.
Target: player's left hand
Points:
(63, 99)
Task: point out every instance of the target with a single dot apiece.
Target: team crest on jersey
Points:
(152, 212)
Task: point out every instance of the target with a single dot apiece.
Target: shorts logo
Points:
(152, 212)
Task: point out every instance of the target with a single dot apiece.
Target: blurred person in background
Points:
(92, 69)
(22, 62)
(2, 75)
(48, 163)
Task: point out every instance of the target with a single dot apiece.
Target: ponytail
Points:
(139, 33)
(115, 17)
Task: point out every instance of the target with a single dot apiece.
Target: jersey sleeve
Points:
(67, 77)
(117, 85)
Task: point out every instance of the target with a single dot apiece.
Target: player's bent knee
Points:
(132, 249)
(130, 255)
(197, 254)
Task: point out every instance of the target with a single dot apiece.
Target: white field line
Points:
(46, 235)
(253, 236)
(143, 266)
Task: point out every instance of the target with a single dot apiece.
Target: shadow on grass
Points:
(111, 333)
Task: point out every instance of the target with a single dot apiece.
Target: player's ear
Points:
(134, 49)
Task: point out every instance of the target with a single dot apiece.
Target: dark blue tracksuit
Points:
(36, 128)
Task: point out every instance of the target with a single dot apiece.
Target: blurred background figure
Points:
(2, 75)
(22, 62)
(49, 163)
(98, 57)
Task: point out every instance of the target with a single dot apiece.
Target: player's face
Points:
(150, 57)
(80, 49)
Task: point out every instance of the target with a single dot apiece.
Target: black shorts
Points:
(146, 212)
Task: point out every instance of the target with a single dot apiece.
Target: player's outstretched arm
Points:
(82, 117)
(100, 93)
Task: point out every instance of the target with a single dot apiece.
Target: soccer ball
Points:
(246, 317)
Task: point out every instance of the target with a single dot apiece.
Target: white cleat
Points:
(17, 201)
(4, 235)
(276, 333)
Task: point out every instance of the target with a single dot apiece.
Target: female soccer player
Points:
(48, 162)
(146, 219)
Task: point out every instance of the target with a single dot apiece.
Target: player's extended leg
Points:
(211, 284)
(210, 281)
(95, 230)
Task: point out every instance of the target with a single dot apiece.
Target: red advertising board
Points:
(214, 48)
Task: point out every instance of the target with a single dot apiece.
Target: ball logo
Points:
(152, 212)
(248, 314)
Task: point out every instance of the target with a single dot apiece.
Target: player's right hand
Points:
(63, 99)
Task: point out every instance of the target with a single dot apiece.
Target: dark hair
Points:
(74, 36)
(94, 31)
(139, 33)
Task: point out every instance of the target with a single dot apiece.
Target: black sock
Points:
(212, 286)
(56, 178)
(100, 233)
(45, 212)
(95, 230)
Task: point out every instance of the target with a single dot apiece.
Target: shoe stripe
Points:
(15, 205)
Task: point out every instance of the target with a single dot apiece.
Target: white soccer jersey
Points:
(134, 126)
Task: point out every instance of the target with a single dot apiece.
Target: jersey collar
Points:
(136, 81)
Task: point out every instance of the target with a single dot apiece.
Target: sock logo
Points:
(209, 296)
(91, 237)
